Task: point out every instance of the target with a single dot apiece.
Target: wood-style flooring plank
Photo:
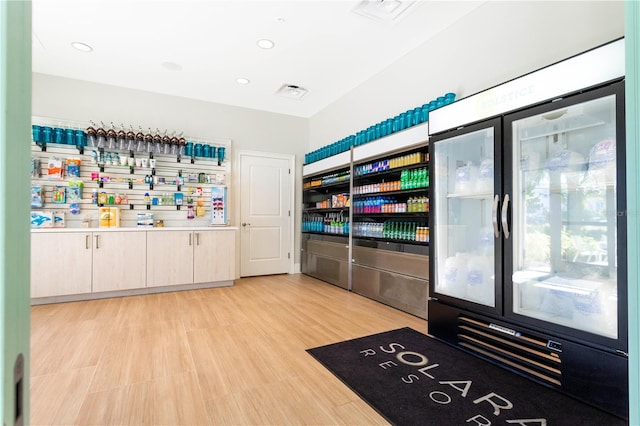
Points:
(57, 398)
(141, 353)
(222, 356)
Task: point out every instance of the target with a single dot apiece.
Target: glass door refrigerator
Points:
(528, 227)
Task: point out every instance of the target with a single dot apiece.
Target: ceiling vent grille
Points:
(383, 10)
(292, 91)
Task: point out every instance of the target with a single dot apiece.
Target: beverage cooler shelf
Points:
(421, 190)
(325, 233)
(324, 209)
(393, 240)
(472, 195)
(390, 215)
(394, 171)
(328, 187)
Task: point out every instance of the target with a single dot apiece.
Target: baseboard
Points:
(132, 292)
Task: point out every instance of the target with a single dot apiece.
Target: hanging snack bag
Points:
(73, 167)
(58, 219)
(35, 167)
(59, 195)
(74, 193)
(55, 168)
(41, 219)
(37, 197)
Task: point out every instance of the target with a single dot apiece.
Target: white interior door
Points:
(265, 213)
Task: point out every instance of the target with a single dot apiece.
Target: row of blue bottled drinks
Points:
(386, 127)
(125, 141)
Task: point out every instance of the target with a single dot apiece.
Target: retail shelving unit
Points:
(365, 220)
(325, 222)
(390, 236)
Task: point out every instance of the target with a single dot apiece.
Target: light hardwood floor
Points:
(222, 356)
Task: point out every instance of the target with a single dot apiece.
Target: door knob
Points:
(245, 224)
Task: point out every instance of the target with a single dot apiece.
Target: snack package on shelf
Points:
(41, 219)
(55, 168)
(37, 197)
(144, 220)
(58, 219)
(35, 167)
(59, 195)
(74, 193)
(73, 167)
(109, 217)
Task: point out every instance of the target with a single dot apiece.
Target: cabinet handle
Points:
(197, 238)
(505, 222)
(97, 242)
(86, 241)
(494, 213)
(190, 236)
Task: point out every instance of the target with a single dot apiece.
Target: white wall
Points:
(494, 43)
(81, 101)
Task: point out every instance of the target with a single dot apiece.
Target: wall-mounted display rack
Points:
(170, 190)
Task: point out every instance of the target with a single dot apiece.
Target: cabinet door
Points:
(119, 260)
(169, 258)
(60, 264)
(214, 256)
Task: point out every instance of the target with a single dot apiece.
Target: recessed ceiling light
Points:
(242, 80)
(265, 44)
(81, 46)
(171, 66)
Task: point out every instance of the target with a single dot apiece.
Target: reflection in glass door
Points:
(464, 191)
(564, 217)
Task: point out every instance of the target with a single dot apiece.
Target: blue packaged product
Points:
(73, 167)
(41, 219)
(37, 197)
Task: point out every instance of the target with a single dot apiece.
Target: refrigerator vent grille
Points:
(527, 354)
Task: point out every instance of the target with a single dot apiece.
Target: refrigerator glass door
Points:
(564, 217)
(464, 217)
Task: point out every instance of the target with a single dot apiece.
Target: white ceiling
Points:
(322, 46)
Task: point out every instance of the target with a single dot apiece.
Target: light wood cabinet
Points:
(76, 263)
(214, 256)
(119, 260)
(169, 258)
(61, 263)
(184, 257)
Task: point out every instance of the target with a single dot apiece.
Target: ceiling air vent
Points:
(383, 10)
(291, 91)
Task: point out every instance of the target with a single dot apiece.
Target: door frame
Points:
(291, 159)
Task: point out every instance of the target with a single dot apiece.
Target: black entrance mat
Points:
(413, 379)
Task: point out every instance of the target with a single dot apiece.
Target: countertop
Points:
(137, 229)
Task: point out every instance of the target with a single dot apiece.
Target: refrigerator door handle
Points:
(503, 216)
(494, 214)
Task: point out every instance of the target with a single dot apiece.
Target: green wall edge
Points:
(15, 128)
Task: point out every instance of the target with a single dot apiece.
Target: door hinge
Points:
(288, 255)
(289, 171)
(289, 213)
